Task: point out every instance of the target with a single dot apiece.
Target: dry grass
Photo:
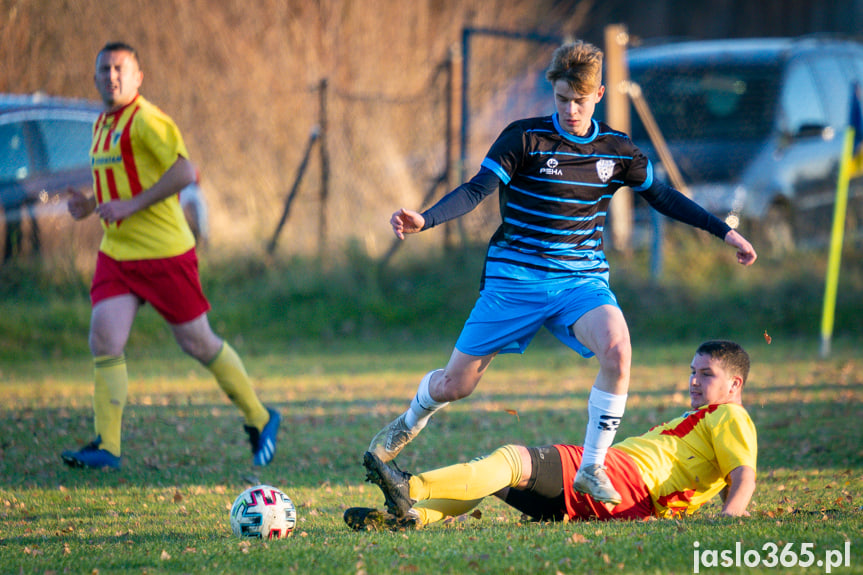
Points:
(242, 82)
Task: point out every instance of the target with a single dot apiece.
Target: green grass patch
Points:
(186, 458)
(339, 348)
(263, 305)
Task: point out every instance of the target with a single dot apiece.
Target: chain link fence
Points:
(390, 151)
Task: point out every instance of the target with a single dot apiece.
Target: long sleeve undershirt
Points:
(663, 198)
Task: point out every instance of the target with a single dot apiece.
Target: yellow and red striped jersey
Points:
(132, 148)
(684, 462)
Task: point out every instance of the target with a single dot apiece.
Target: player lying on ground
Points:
(673, 469)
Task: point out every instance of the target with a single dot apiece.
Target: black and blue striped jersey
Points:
(555, 189)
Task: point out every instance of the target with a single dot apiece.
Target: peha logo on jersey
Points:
(551, 168)
(605, 169)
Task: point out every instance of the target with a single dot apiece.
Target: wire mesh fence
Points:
(387, 152)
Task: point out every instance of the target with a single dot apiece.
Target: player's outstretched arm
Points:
(741, 486)
(406, 222)
(745, 252)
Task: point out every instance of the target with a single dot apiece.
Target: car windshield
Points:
(708, 102)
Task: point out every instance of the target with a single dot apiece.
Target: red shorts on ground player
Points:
(624, 475)
(171, 285)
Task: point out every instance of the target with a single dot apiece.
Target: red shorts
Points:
(624, 475)
(170, 285)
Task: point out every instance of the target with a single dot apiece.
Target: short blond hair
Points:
(579, 64)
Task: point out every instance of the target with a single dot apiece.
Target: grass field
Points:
(186, 458)
(339, 352)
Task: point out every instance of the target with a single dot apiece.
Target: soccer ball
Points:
(263, 512)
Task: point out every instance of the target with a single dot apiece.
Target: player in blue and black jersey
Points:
(545, 264)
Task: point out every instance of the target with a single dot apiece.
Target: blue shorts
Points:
(506, 322)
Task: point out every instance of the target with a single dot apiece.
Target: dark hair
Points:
(120, 47)
(731, 355)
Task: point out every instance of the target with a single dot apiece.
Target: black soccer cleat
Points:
(367, 519)
(393, 482)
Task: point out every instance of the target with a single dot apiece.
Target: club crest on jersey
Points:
(551, 168)
(605, 168)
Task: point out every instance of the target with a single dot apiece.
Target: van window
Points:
(801, 106)
(712, 101)
(853, 66)
(858, 68)
(834, 89)
(13, 152)
(67, 143)
(851, 72)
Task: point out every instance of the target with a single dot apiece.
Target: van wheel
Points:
(777, 229)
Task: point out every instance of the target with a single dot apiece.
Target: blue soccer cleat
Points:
(92, 456)
(264, 442)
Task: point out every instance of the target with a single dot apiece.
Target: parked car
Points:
(44, 149)
(756, 127)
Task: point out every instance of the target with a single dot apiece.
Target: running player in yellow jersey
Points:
(673, 469)
(147, 255)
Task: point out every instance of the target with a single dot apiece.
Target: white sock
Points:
(422, 406)
(604, 411)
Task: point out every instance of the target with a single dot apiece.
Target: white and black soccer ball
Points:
(263, 512)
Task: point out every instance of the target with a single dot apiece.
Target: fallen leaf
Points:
(767, 338)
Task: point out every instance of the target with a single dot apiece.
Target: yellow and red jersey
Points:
(684, 462)
(132, 148)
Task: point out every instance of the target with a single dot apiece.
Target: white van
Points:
(756, 127)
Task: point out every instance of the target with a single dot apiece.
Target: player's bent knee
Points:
(453, 387)
(616, 357)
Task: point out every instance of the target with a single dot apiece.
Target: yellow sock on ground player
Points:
(467, 481)
(109, 399)
(433, 510)
(234, 381)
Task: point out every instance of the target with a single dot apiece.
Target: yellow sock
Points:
(467, 481)
(109, 399)
(231, 375)
(432, 510)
